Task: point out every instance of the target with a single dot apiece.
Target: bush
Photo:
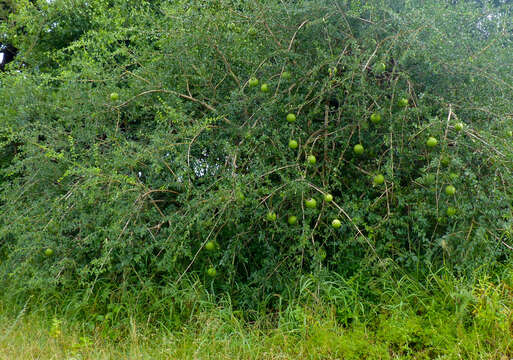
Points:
(128, 191)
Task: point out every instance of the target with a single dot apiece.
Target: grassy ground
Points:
(447, 320)
(406, 338)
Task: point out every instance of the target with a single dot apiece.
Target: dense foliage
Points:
(132, 138)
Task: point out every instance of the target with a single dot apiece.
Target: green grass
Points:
(445, 318)
(441, 318)
(405, 337)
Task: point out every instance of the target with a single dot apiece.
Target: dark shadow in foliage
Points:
(9, 53)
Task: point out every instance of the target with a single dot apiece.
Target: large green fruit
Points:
(336, 223)
(311, 203)
(293, 144)
(114, 96)
(271, 216)
(311, 159)
(379, 179)
(450, 190)
(403, 102)
(358, 149)
(380, 67)
(49, 252)
(451, 211)
(292, 220)
(291, 118)
(375, 118)
(453, 176)
(253, 82)
(431, 142)
(211, 271)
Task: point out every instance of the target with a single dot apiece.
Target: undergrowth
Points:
(445, 318)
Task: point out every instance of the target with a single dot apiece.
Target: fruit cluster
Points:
(378, 179)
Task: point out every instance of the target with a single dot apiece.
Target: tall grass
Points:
(328, 318)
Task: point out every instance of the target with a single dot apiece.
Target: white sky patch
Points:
(1, 57)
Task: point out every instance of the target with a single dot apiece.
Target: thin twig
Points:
(294, 36)
(227, 65)
(211, 108)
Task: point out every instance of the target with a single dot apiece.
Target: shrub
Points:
(128, 189)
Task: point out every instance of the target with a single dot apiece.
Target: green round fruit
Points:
(253, 82)
(509, 133)
(293, 144)
(264, 88)
(328, 197)
(458, 126)
(286, 75)
(211, 272)
(336, 223)
(445, 160)
(292, 220)
(114, 96)
(210, 246)
(271, 216)
(311, 203)
(311, 159)
(453, 176)
(403, 102)
(379, 179)
(451, 211)
(358, 149)
(375, 118)
(291, 118)
(431, 142)
(450, 190)
(49, 252)
(380, 67)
